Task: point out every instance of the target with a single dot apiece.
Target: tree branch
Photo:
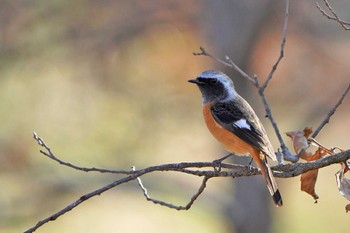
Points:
(283, 44)
(52, 156)
(230, 170)
(330, 113)
(335, 16)
(172, 206)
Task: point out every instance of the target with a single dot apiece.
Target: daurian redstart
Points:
(233, 122)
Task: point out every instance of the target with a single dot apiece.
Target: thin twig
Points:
(228, 63)
(283, 44)
(51, 155)
(335, 16)
(285, 151)
(287, 155)
(330, 113)
(169, 205)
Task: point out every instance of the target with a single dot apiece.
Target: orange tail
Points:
(268, 176)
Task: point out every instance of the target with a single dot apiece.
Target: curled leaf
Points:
(343, 183)
(299, 138)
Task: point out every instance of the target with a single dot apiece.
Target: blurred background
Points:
(104, 83)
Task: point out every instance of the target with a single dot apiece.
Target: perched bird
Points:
(233, 122)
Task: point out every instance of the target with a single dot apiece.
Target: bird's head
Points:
(214, 86)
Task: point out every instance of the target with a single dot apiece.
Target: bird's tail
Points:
(270, 180)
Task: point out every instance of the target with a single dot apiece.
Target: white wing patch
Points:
(242, 123)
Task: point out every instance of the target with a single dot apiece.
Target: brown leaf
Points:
(318, 154)
(308, 179)
(307, 131)
(301, 144)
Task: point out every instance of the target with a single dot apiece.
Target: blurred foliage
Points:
(104, 84)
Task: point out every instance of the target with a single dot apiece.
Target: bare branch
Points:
(330, 113)
(335, 16)
(169, 205)
(52, 156)
(231, 170)
(285, 151)
(283, 44)
(228, 63)
(295, 169)
(287, 155)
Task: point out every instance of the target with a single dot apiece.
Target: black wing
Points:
(229, 113)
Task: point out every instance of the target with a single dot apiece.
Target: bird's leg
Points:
(250, 167)
(217, 162)
(250, 163)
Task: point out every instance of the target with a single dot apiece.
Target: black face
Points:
(211, 88)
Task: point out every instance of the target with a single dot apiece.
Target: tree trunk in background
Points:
(231, 28)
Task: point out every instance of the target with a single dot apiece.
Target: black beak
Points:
(195, 81)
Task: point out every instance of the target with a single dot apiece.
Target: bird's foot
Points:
(250, 166)
(217, 162)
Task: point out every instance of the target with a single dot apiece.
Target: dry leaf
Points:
(308, 179)
(307, 131)
(299, 139)
(342, 182)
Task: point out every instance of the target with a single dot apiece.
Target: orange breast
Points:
(230, 141)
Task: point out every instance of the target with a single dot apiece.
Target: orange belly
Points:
(230, 141)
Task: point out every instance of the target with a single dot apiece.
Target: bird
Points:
(233, 122)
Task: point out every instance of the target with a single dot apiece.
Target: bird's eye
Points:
(213, 81)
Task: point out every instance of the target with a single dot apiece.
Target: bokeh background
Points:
(104, 84)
